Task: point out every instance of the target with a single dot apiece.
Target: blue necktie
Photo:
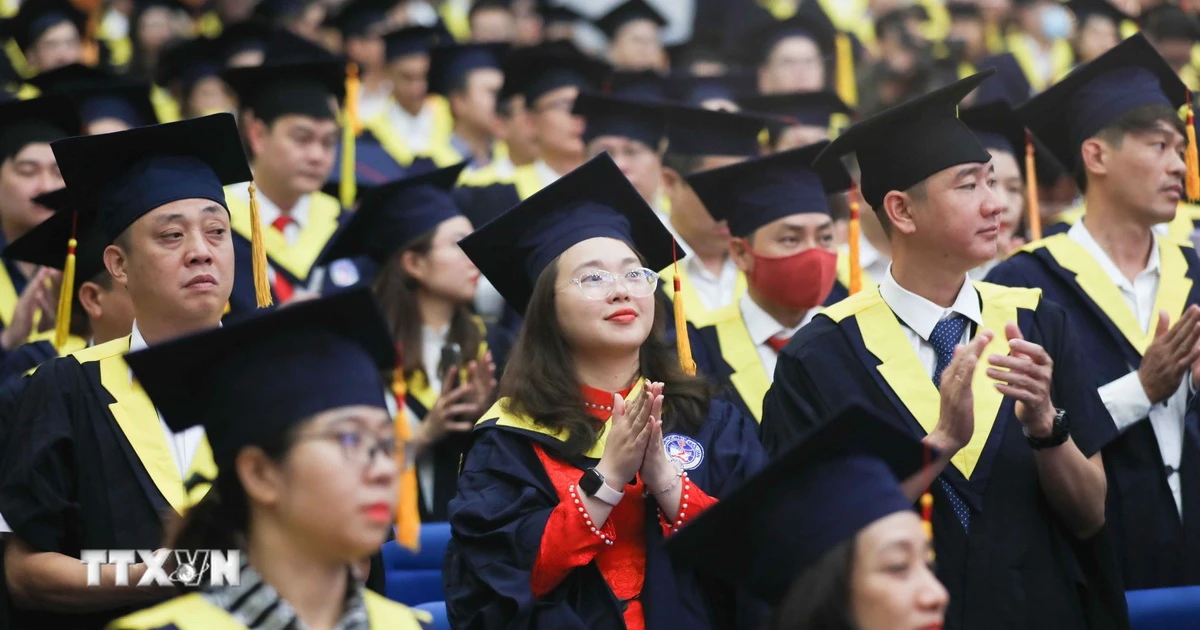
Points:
(947, 334)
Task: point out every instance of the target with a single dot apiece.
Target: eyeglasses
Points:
(358, 448)
(599, 284)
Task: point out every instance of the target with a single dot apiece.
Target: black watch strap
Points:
(1058, 435)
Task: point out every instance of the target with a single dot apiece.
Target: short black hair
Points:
(1137, 120)
(683, 164)
(1168, 21)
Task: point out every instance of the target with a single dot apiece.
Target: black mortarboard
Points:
(410, 40)
(964, 10)
(250, 381)
(608, 116)
(145, 168)
(1084, 9)
(695, 90)
(189, 61)
(449, 65)
(100, 94)
(275, 89)
(806, 502)
(997, 127)
(698, 131)
(557, 14)
(42, 119)
(905, 144)
(813, 109)
(638, 85)
(35, 17)
(592, 201)
(536, 70)
(627, 12)
(359, 18)
(392, 216)
(47, 243)
(1129, 76)
(251, 34)
(1009, 84)
(756, 192)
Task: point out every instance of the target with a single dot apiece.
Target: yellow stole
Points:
(749, 376)
(439, 149)
(1061, 59)
(499, 416)
(297, 259)
(697, 313)
(884, 337)
(136, 416)
(8, 297)
(164, 104)
(193, 612)
(1179, 229)
(1173, 288)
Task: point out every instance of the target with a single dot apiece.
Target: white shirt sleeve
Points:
(1126, 400)
(4, 528)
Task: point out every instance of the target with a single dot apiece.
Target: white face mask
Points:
(1056, 23)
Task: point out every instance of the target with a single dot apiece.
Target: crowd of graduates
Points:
(789, 314)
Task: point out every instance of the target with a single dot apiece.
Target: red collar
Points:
(598, 402)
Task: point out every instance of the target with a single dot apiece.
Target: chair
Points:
(1164, 608)
(415, 578)
(438, 610)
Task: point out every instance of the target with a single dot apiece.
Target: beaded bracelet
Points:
(679, 474)
(683, 504)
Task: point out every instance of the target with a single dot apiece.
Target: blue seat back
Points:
(438, 610)
(416, 578)
(1164, 608)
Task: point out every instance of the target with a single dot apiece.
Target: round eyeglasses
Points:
(600, 284)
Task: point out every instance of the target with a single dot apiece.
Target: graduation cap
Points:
(610, 23)
(247, 35)
(361, 18)
(1129, 76)
(997, 127)
(392, 216)
(638, 85)
(450, 65)
(812, 109)
(536, 70)
(410, 40)
(1010, 84)
(964, 10)
(695, 90)
(753, 193)
(1085, 9)
(189, 61)
(275, 89)
(805, 503)
(35, 17)
(100, 94)
(904, 145)
(609, 116)
(250, 381)
(557, 14)
(43, 119)
(699, 131)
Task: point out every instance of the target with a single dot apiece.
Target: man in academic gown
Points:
(105, 102)
(634, 32)
(88, 463)
(49, 33)
(469, 77)
(1019, 501)
(1131, 295)
(783, 242)
(633, 134)
(27, 169)
(292, 132)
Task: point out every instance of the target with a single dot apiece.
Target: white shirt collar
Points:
(1080, 234)
(136, 341)
(920, 314)
(545, 174)
(268, 211)
(761, 325)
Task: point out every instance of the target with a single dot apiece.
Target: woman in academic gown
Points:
(293, 405)
(410, 229)
(601, 446)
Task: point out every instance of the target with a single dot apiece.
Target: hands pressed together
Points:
(635, 442)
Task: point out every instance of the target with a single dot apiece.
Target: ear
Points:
(260, 475)
(739, 251)
(413, 264)
(898, 206)
(89, 299)
(117, 261)
(1095, 156)
(672, 180)
(256, 132)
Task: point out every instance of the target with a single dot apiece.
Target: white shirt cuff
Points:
(1126, 400)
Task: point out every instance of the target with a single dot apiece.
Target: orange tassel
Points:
(90, 53)
(682, 344)
(1193, 162)
(408, 518)
(853, 236)
(927, 497)
(352, 94)
(258, 254)
(1034, 211)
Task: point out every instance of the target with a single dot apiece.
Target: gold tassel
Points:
(408, 518)
(927, 498)
(853, 237)
(1034, 211)
(66, 293)
(682, 344)
(1193, 162)
(847, 88)
(90, 52)
(351, 127)
(258, 254)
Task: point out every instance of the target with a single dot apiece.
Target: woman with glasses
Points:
(292, 403)
(601, 446)
(410, 229)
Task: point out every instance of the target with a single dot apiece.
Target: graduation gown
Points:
(695, 309)
(726, 355)
(499, 515)
(87, 466)
(193, 612)
(39, 350)
(1155, 548)
(484, 194)
(1019, 568)
(393, 141)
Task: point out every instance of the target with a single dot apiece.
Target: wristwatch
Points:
(592, 484)
(1059, 434)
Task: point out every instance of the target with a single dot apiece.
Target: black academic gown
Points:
(483, 203)
(1155, 548)
(1019, 567)
(74, 474)
(25, 358)
(499, 514)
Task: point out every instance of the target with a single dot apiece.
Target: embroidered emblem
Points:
(343, 273)
(683, 450)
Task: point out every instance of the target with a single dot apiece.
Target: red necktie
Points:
(777, 343)
(283, 288)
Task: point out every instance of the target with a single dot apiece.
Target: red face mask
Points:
(799, 281)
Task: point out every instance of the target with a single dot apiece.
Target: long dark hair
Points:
(222, 518)
(819, 598)
(539, 380)
(396, 291)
